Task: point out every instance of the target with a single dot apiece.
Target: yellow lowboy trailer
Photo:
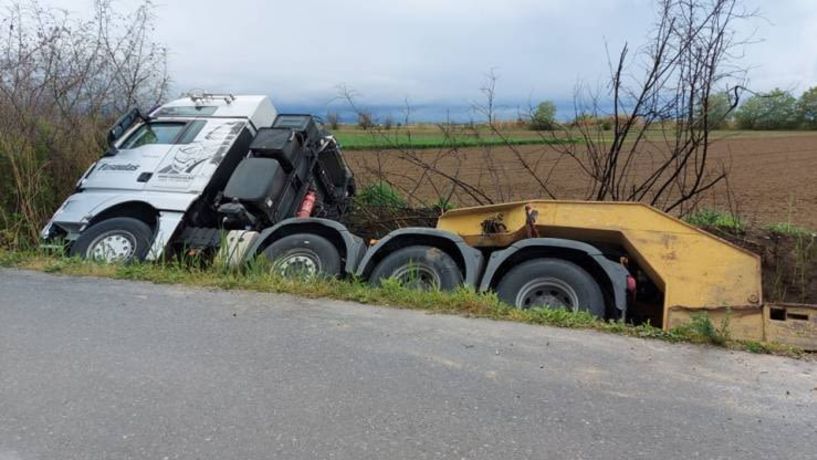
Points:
(691, 270)
(614, 260)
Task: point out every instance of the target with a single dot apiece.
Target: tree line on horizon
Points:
(777, 109)
(773, 110)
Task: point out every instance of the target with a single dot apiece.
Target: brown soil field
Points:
(771, 175)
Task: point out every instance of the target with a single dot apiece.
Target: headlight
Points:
(46, 232)
(64, 207)
(85, 175)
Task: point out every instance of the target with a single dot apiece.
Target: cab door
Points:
(136, 158)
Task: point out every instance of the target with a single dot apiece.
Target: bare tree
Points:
(658, 147)
(62, 80)
(488, 90)
(425, 176)
(652, 145)
(333, 120)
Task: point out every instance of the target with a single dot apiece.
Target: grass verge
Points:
(465, 302)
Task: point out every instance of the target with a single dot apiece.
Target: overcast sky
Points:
(437, 51)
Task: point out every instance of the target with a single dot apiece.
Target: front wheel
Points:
(551, 283)
(119, 239)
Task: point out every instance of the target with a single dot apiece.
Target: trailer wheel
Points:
(304, 255)
(551, 283)
(119, 239)
(419, 267)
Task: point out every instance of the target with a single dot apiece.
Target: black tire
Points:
(304, 254)
(118, 239)
(554, 283)
(421, 267)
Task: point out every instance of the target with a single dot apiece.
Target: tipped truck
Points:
(226, 174)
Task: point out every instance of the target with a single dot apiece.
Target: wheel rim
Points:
(547, 292)
(112, 246)
(418, 276)
(299, 263)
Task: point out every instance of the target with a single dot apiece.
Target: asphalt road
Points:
(93, 368)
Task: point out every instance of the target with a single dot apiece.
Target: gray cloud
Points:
(436, 51)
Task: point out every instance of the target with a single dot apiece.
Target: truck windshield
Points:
(153, 133)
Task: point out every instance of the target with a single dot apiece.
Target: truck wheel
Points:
(551, 283)
(304, 255)
(119, 239)
(419, 267)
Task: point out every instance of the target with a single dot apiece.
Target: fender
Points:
(80, 208)
(615, 272)
(352, 247)
(470, 259)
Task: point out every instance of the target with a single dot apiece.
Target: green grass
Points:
(710, 218)
(427, 136)
(702, 330)
(464, 301)
(789, 229)
(380, 195)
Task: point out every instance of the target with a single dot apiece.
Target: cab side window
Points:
(154, 133)
(193, 130)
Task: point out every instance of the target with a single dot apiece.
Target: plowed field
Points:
(771, 175)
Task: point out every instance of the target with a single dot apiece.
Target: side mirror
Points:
(122, 125)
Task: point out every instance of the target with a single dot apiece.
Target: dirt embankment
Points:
(789, 263)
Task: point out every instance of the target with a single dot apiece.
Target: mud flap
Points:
(166, 226)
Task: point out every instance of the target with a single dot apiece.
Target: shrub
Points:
(444, 204)
(701, 330)
(719, 111)
(365, 120)
(710, 218)
(380, 195)
(544, 117)
(788, 229)
(807, 108)
(388, 122)
(333, 120)
(774, 110)
(71, 78)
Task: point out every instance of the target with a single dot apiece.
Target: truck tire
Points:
(551, 283)
(305, 255)
(419, 267)
(119, 239)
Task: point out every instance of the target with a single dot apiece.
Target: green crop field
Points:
(424, 137)
(432, 136)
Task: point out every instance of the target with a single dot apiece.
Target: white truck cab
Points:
(167, 171)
